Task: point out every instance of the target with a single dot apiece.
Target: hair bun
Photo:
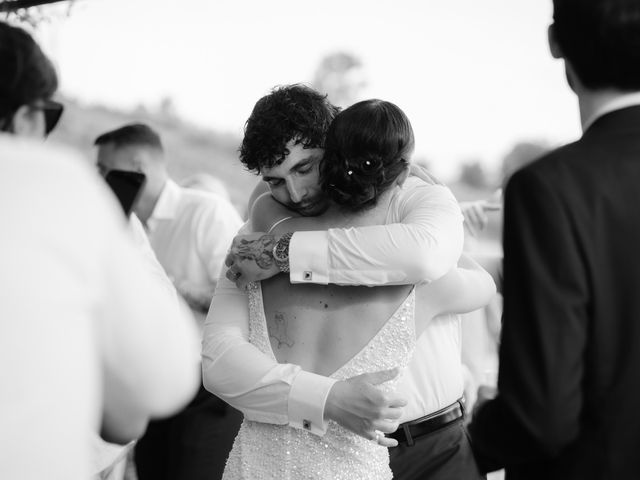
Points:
(365, 151)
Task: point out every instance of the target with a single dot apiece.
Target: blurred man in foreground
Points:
(80, 317)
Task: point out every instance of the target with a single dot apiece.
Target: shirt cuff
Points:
(307, 399)
(309, 258)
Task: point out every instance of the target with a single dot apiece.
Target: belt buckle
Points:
(407, 434)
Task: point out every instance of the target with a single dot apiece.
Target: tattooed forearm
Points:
(259, 250)
(279, 330)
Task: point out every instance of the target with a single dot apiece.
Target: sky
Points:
(473, 76)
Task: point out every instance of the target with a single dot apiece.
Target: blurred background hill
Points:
(346, 72)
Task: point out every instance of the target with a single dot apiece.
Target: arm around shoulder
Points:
(422, 243)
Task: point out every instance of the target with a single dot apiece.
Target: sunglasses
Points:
(52, 113)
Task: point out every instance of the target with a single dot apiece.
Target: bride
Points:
(341, 331)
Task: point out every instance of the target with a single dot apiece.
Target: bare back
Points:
(321, 327)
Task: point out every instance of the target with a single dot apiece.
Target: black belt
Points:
(409, 431)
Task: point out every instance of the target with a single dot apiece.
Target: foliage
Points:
(31, 12)
(473, 174)
(340, 75)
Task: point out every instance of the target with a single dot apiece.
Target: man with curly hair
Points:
(284, 140)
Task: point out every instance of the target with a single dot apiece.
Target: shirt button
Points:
(307, 276)
(306, 424)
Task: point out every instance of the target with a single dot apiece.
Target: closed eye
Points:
(306, 167)
(274, 182)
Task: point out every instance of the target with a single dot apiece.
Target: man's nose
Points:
(296, 192)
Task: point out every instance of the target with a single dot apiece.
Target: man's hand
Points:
(485, 393)
(475, 213)
(250, 259)
(359, 406)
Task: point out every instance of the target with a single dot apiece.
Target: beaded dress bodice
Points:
(266, 451)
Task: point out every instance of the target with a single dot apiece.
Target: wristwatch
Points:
(280, 252)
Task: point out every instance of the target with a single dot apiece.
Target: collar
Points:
(617, 102)
(167, 204)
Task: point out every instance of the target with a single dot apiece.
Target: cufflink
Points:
(306, 424)
(307, 276)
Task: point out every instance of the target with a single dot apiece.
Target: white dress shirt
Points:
(434, 378)
(78, 313)
(427, 235)
(610, 104)
(190, 232)
(270, 392)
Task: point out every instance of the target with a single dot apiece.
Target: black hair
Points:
(26, 74)
(368, 146)
(601, 40)
(137, 134)
(291, 112)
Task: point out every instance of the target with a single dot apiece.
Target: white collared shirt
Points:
(618, 102)
(190, 232)
(425, 237)
(78, 310)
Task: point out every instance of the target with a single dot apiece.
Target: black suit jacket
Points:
(569, 381)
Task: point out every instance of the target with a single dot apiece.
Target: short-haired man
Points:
(569, 380)
(283, 142)
(190, 232)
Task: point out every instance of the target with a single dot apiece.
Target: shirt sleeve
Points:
(422, 243)
(152, 265)
(249, 380)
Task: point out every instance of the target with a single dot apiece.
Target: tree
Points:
(473, 174)
(28, 11)
(340, 75)
(15, 5)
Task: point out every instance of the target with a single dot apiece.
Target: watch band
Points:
(281, 252)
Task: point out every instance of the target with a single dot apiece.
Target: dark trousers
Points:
(442, 455)
(192, 445)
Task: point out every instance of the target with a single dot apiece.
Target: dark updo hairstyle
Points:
(26, 74)
(367, 147)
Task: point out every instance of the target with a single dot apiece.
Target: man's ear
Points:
(143, 160)
(27, 123)
(554, 48)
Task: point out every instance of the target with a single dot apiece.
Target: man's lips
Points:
(308, 207)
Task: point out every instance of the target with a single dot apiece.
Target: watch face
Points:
(279, 254)
(281, 249)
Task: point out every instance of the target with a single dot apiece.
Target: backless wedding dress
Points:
(266, 451)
